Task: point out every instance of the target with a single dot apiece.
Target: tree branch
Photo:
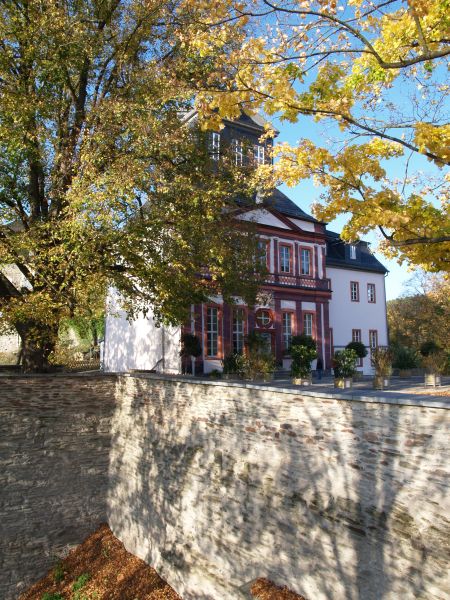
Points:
(413, 241)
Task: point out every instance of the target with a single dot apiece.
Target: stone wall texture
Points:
(218, 484)
(54, 457)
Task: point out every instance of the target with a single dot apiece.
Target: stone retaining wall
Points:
(217, 484)
(54, 456)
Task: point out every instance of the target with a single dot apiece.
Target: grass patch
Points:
(58, 574)
(81, 582)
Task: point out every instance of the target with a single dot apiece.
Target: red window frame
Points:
(291, 258)
(219, 331)
(292, 313)
(245, 328)
(371, 286)
(311, 261)
(357, 291)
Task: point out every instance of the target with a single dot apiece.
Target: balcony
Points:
(298, 281)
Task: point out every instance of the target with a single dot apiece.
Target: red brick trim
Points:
(311, 261)
(291, 259)
(219, 330)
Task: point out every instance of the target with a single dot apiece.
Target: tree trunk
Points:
(94, 333)
(38, 341)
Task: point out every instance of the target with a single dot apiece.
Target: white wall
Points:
(346, 315)
(138, 344)
(9, 343)
(264, 217)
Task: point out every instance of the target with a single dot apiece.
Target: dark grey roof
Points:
(338, 255)
(287, 207)
(255, 121)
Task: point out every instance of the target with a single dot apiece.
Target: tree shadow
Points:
(216, 485)
(54, 452)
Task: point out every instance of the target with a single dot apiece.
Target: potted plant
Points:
(259, 363)
(381, 359)
(344, 367)
(360, 349)
(190, 348)
(232, 365)
(435, 361)
(405, 359)
(258, 366)
(303, 352)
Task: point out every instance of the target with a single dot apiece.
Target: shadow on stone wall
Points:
(216, 486)
(54, 455)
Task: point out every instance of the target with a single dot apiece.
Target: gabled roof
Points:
(255, 121)
(278, 201)
(287, 207)
(338, 255)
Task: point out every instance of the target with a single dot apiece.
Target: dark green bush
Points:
(304, 340)
(302, 356)
(404, 358)
(344, 363)
(359, 348)
(429, 347)
(233, 363)
(190, 345)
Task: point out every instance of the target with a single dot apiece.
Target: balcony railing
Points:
(298, 281)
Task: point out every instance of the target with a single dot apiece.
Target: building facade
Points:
(315, 284)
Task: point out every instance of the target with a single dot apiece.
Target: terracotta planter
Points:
(343, 382)
(432, 379)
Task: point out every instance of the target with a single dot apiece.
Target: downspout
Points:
(163, 348)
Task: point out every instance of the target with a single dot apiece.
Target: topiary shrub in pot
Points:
(233, 365)
(258, 366)
(360, 350)
(381, 360)
(344, 367)
(303, 352)
(405, 359)
(259, 363)
(435, 361)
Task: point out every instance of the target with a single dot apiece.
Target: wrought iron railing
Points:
(298, 281)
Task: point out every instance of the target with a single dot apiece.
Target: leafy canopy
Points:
(101, 180)
(422, 315)
(374, 74)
